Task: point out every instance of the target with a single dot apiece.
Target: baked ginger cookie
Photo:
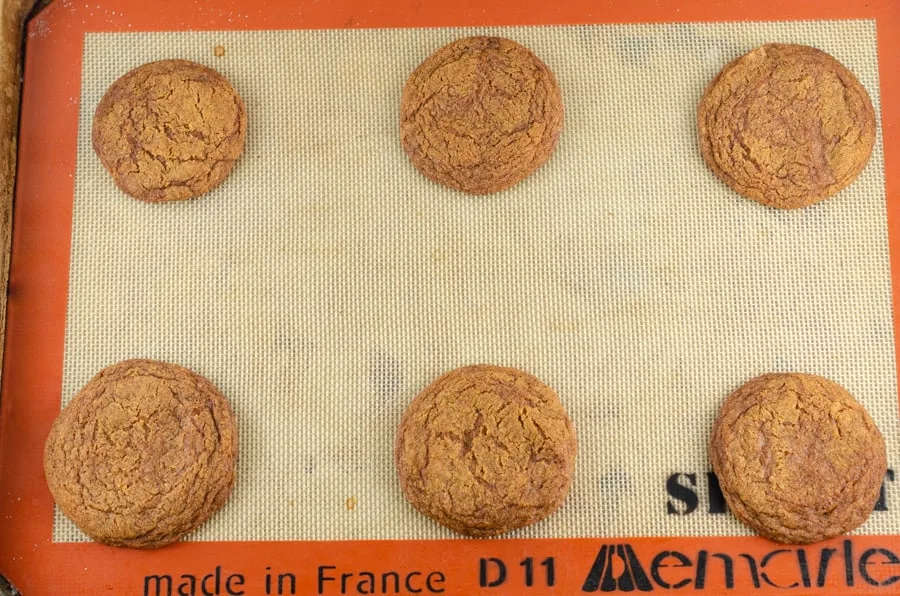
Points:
(798, 459)
(485, 449)
(480, 114)
(786, 125)
(143, 454)
(169, 130)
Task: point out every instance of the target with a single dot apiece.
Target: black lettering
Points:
(408, 586)
(597, 571)
(551, 574)
(287, 577)
(804, 568)
(864, 563)
(633, 569)
(682, 491)
(322, 578)
(751, 565)
(600, 577)
(344, 578)
(700, 576)
(483, 573)
(659, 562)
(728, 567)
(529, 571)
(881, 503)
(369, 579)
(239, 580)
(601, 572)
(824, 556)
(624, 582)
(188, 585)
(268, 580)
(438, 579)
(848, 563)
(716, 498)
(384, 578)
(765, 561)
(157, 582)
(216, 576)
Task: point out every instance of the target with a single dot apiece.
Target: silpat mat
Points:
(327, 282)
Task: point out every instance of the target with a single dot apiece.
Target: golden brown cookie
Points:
(798, 459)
(143, 454)
(485, 449)
(169, 130)
(480, 114)
(786, 125)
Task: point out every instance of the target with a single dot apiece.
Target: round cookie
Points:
(798, 459)
(142, 455)
(786, 125)
(169, 130)
(480, 114)
(485, 449)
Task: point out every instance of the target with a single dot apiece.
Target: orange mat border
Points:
(32, 372)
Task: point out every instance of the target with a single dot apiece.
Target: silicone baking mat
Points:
(326, 282)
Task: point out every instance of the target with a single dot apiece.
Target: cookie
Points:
(480, 114)
(798, 459)
(485, 449)
(786, 125)
(169, 130)
(142, 455)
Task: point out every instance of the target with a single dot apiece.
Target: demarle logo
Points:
(617, 568)
(631, 578)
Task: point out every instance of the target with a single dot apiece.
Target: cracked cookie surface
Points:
(143, 454)
(786, 125)
(798, 459)
(480, 114)
(486, 449)
(169, 130)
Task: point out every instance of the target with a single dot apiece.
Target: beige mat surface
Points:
(327, 282)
